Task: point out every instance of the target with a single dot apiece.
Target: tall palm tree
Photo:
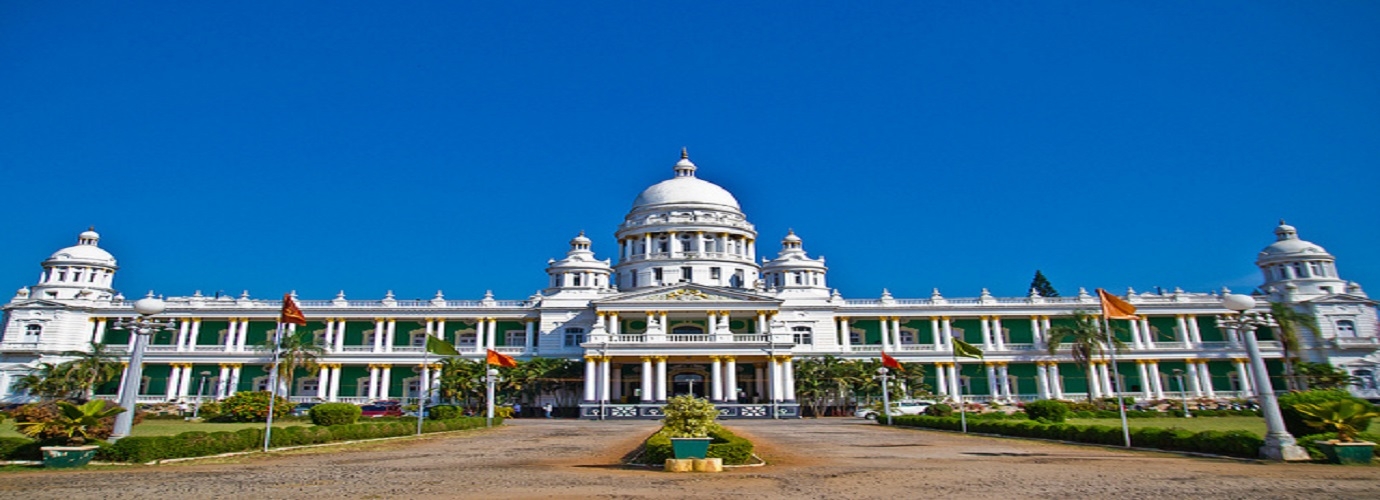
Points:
(296, 350)
(1289, 321)
(460, 379)
(1086, 341)
(92, 368)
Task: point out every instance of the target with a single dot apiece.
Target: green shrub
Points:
(445, 412)
(939, 410)
(1047, 410)
(688, 417)
(1232, 443)
(734, 450)
(335, 414)
(18, 448)
(252, 407)
(1294, 420)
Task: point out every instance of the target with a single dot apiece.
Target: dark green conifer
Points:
(1041, 285)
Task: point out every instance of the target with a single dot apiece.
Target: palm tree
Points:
(1289, 321)
(92, 368)
(49, 381)
(1086, 341)
(296, 350)
(461, 378)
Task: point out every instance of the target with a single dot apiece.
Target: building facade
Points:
(689, 308)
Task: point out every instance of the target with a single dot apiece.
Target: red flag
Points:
(1115, 308)
(290, 313)
(500, 359)
(891, 362)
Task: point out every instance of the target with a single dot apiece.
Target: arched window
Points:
(1345, 328)
(32, 332)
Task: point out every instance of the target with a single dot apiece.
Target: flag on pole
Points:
(291, 313)
(500, 359)
(966, 350)
(891, 362)
(1115, 308)
(440, 347)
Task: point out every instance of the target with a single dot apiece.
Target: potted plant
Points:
(1347, 418)
(688, 422)
(67, 431)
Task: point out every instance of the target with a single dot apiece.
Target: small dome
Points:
(1288, 244)
(85, 251)
(581, 239)
(791, 237)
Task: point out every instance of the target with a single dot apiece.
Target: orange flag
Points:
(891, 362)
(290, 313)
(1115, 308)
(500, 359)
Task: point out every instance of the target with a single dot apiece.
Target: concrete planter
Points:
(63, 457)
(1357, 453)
(690, 447)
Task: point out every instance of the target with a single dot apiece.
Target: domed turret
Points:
(82, 271)
(579, 270)
(686, 230)
(793, 269)
(1297, 269)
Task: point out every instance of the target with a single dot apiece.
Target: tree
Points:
(1041, 285)
(461, 379)
(49, 381)
(295, 350)
(1325, 376)
(1289, 321)
(1086, 340)
(92, 368)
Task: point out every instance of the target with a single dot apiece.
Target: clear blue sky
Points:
(370, 146)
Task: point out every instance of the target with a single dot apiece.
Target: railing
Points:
(21, 346)
(208, 348)
(1357, 341)
(511, 350)
(689, 338)
(357, 348)
(750, 337)
(1187, 298)
(627, 338)
(160, 348)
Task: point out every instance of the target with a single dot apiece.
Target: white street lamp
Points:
(491, 379)
(1279, 445)
(886, 396)
(142, 328)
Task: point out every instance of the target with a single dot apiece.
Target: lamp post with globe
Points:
(142, 328)
(1279, 444)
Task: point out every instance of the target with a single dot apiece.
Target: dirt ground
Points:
(826, 458)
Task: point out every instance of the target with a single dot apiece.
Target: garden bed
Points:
(733, 449)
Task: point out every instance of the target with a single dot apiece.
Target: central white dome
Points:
(685, 191)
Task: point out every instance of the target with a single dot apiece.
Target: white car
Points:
(903, 407)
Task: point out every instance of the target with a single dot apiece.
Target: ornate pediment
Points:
(688, 293)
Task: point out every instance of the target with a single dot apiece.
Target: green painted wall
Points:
(259, 331)
(349, 380)
(158, 379)
(872, 330)
(1018, 330)
(1075, 378)
(976, 373)
(1207, 327)
(1162, 327)
(972, 331)
(402, 332)
(925, 334)
(354, 332)
(211, 330)
(115, 337)
(1025, 377)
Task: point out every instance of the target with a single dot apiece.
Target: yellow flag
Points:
(1115, 308)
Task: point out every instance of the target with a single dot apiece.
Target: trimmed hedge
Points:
(197, 443)
(1048, 410)
(444, 412)
(732, 449)
(18, 448)
(335, 413)
(1232, 443)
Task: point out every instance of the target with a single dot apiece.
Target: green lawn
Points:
(167, 427)
(1255, 425)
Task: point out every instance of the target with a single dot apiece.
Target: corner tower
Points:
(1296, 270)
(686, 230)
(83, 271)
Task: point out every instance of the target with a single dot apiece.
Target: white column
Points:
(665, 324)
(886, 333)
(1041, 375)
(182, 328)
(1147, 332)
(716, 373)
(374, 382)
(648, 391)
(530, 339)
(1056, 382)
(99, 335)
(1243, 377)
(1207, 379)
(948, 332)
(174, 380)
(845, 336)
(998, 337)
(493, 332)
(1147, 388)
(1004, 381)
(1185, 336)
(1135, 335)
(1036, 336)
(616, 392)
(711, 323)
(896, 332)
(1154, 367)
(435, 385)
(330, 334)
(1094, 384)
(391, 338)
(761, 322)
(340, 335)
(660, 379)
(232, 325)
(986, 334)
(941, 382)
(193, 334)
(223, 383)
(774, 376)
(479, 341)
(385, 381)
(937, 337)
(789, 379)
(243, 335)
(1193, 327)
(604, 380)
(955, 382)
(334, 393)
(591, 377)
(1194, 382)
(1106, 376)
(730, 379)
(992, 390)
(440, 330)
(234, 385)
(184, 388)
(615, 325)
(378, 336)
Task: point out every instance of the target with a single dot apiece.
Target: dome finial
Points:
(684, 167)
(684, 153)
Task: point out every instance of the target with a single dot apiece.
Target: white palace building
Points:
(690, 307)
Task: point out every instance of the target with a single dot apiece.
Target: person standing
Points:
(547, 408)
(517, 410)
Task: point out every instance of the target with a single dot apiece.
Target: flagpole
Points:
(1116, 376)
(273, 384)
(423, 392)
(962, 408)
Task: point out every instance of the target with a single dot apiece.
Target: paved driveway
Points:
(827, 458)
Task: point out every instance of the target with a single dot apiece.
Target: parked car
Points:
(378, 410)
(302, 409)
(898, 408)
